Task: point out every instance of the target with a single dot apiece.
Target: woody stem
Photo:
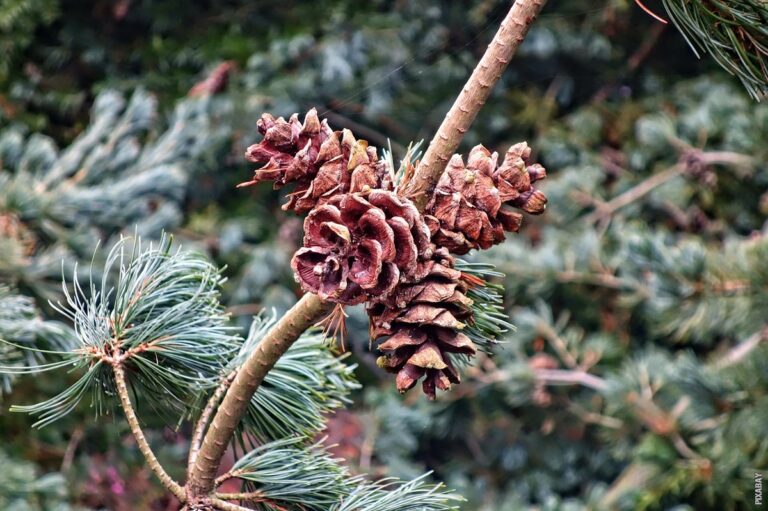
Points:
(205, 466)
(310, 308)
(138, 434)
(472, 97)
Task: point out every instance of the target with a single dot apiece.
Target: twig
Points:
(566, 377)
(601, 279)
(689, 156)
(227, 506)
(254, 496)
(69, 453)
(557, 343)
(633, 62)
(741, 350)
(225, 477)
(310, 308)
(224, 423)
(138, 434)
(595, 418)
(205, 417)
(635, 476)
(636, 192)
(366, 449)
(472, 97)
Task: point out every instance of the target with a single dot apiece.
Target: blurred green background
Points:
(140, 111)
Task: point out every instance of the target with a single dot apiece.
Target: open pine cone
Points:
(357, 247)
(321, 162)
(466, 210)
(364, 243)
(423, 321)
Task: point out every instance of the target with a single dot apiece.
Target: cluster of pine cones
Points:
(364, 243)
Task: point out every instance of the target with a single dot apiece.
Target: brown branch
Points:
(69, 453)
(300, 317)
(310, 308)
(225, 477)
(254, 496)
(567, 377)
(226, 506)
(742, 350)
(635, 476)
(138, 434)
(636, 192)
(205, 417)
(472, 97)
(557, 343)
(689, 155)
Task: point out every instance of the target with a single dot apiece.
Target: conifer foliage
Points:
(634, 376)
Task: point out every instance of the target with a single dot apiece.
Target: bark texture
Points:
(141, 440)
(472, 97)
(301, 316)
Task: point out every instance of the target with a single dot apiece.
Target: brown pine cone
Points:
(321, 162)
(357, 247)
(423, 321)
(466, 210)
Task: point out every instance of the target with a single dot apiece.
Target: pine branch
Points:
(415, 495)
(310, 308)
(299, 318)
(689, 158)
(226, 506)
(138, 434)
(205, 417)
(287, 473)
(742, 350)
(22, 325)
(734, 33)
(472, 97)
(569, 377)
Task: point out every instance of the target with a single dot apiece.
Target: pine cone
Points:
(466, 210)
(321, 162)
(423, 320)
(358, 247)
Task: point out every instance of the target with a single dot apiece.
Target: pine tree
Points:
(655, 331)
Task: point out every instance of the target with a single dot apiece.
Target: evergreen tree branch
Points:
(689, 157)
(734, 33)
(568, 377)
(472, 97)
(226, 506)
(138, 434)
(235, 403)
(310, 308)
(205, 417)
(253, 495)
(743, 349)
(636, 192)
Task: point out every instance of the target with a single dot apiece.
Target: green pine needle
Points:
(305, 385)
(25, 336)
(162, 321)
(287, 472)
(391, 495)
(734, 33)
(490, 320)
